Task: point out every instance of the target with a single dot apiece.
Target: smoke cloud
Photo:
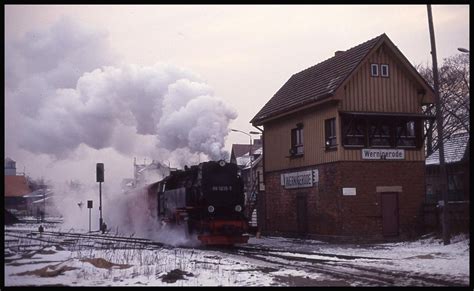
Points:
(112, 106)
(70, 101)
(67, 90)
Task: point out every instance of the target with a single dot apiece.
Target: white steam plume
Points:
(69, 99)
(112, 106)
(64, 90)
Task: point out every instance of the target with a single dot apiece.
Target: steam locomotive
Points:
(207, 199)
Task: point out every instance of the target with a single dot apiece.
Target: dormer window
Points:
(374, 70)
(384, 70)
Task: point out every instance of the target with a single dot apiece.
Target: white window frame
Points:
(381, 70)
(297, 140)
(376, 66)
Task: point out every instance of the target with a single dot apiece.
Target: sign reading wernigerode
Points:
(383, 154)
(300, 179)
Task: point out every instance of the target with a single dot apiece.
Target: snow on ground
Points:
(133, 267)
(426, 255)
(46, 264)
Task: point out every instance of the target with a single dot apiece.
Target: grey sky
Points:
(244, 53)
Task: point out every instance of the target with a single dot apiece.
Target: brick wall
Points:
(331, 213)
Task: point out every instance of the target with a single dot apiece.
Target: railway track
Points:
(340, 267)
(76, 239)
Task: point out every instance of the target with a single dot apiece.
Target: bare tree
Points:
(454, 95)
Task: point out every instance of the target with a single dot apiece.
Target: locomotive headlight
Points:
(238, 208)
(210, 209)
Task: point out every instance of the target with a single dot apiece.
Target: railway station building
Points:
(343, 147)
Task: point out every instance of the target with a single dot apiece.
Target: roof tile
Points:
(316, 82)
(455, 149)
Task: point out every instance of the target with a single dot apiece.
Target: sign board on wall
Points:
(349, 191)
(383, 154)
(301, 179)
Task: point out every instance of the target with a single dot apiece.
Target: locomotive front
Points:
(223, 201)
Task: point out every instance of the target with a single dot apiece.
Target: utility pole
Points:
(439, 127)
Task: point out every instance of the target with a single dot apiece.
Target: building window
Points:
(297, 140)
(379, 133)
(384, 70)
(374, 70)
(330, 133)
(406, 134)
(353, 132)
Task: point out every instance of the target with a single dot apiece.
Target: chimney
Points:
(338, 53)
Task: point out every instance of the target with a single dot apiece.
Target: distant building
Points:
(456, 154)
(15, 189)
(23, 197)
(251, 169)
(254, 187)
(240, 150)
(149, 173)
(10, 167)
(144, 174)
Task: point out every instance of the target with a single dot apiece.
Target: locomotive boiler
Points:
(207, 199)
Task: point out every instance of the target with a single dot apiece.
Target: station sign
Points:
(383, 154)
(301, 179)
